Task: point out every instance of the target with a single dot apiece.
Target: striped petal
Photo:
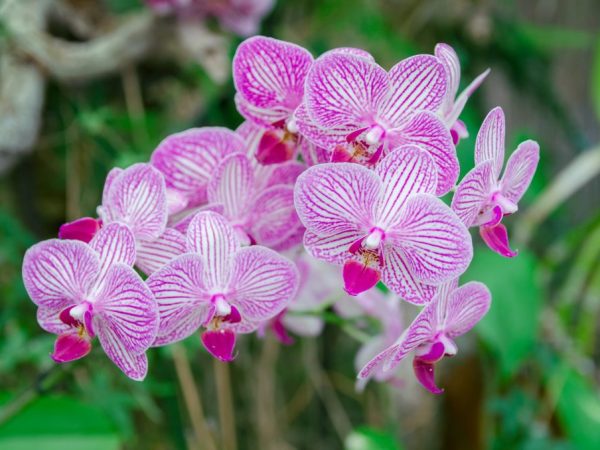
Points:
(274, 217)
(232, 185)
(345, 90)
(333, 248)
(324, 138)
(417, 83)
(473, 192)
(152, 255)
(269, 77)
(59, 273)
(182, 297)
(125, 310)
(49, 320)
(520, 169)
(436, 244)
(466, 306)
(114, 244)
(449, 59)
(334, 198)
(138, 198)
(490, 140)
(420, 331)
(405, 171)
(425, 130)
(188, 159)
(214, 239)
(263, 282)
(399, 276)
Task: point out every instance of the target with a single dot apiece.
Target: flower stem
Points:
(193, 402)
(225, 400)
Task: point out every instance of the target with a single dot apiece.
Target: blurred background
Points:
(87, 85)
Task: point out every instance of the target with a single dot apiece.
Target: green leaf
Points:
(579, 411)
(367, 438)
(59, 423)
(510, 327)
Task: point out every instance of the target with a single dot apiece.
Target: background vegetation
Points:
(528, 379)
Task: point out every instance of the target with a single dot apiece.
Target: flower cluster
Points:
(333, 181)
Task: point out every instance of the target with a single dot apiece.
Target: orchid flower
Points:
(219, 286)
(360, 112)
(269, 79)
(452, 105)
(83, 291)
(383, 224)
(483, 198)
(451, 313)
(188, 159)
(137, 197)
(241, 17)
(260, 208)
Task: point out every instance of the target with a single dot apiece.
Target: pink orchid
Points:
(451, 313)
(242, 17)
(259, 203)
(137, 197)
(383, 224)
(188, 159)
(269, 78)
(483, 198)
(452, 105)
(83, 291)
(220, 286)
(360, 112)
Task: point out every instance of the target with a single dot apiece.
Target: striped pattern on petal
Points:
(152, 255)
(188, 159)
(332, 248)
(398, 276)
(325, 138)
(138, 198)
(269, 76)
(426, 131)
(419, 332)
(490, 140)
(49, 319)
(134, 365)
(466, 306)
(345, 90)
(114, 243)
(449, 60)
(263, 282)
(59, 273)
(405, 171)
(435, 243)
(213, 238)
(125, 306)
(473, 192)
(520, 170)
(337, 197)
(417, 83)
(232, 185)
(182, 297)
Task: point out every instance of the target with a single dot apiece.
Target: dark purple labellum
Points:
(219, 343)
(424, 371)
(496, 238)
(358, 277)
(69, 347)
